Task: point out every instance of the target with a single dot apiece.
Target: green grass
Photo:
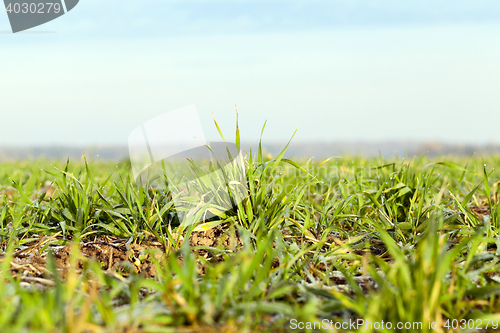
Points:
(345, 239)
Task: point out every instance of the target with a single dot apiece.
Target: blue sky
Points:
(336, 70)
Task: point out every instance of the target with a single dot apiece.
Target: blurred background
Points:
(360, 77)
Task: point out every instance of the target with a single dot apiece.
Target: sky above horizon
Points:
(335, 70)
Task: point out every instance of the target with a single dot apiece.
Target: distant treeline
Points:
(296, 149)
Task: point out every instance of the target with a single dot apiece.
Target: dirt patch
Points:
(115, 254)
(215, 237)
(31, 269)
(30, 262)
(480, 212)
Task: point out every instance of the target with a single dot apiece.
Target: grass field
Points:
(315, 244)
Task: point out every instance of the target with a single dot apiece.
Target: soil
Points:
(215, 237)
(113, 254)
(480, 211)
